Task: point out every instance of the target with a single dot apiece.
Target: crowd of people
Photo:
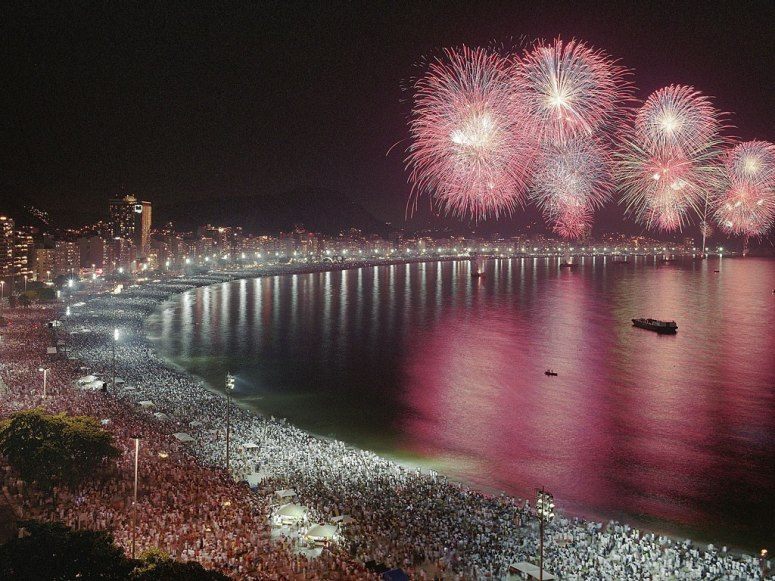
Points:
(191, 507)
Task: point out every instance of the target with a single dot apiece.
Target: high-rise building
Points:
(92, 252)
(67, 259)
(131, 220)
(44, 264)
(6, 247)
(24, 253)
(143, 237)
(119, 254)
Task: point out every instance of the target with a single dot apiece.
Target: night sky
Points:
(176, 104)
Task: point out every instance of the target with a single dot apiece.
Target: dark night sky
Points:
(176, 103)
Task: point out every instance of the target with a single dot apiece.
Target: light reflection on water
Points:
(423, 361)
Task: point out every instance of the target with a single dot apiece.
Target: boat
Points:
(477, 264)
(550, 373)
(568, 265)
(661, 327)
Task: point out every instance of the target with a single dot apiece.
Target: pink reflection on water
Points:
(635, 423)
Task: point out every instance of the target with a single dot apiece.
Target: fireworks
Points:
(487, 128)
(753, 162)
(473, 140)
(572, 89)
(575, 94)
(572, 178)
(676, 117)
(668, 166)
(747, 204)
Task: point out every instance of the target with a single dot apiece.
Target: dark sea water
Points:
(425, 364)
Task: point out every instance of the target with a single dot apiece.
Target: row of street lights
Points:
(545, 514)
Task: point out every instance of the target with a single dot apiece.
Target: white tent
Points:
(321, 532)
(255, 478)
(292, 512)
(94, 385)
(86, 379)
(530, 569)
(183, 437)
(51, 350)
(288, 493)
(343, 519)
(161, 416)
(146, 403)
(250, 446)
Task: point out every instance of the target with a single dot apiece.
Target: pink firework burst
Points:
(573, 90)
(752, 161)
(679, 117)
(572, 222)
(473, 140)
(747, 204)
(668, 166)
(663, 188)
(572, 178)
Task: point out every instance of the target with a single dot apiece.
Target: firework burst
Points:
(572, 222)
(668, 166)
(572, 178)
(572, 89)
(753, 162)
(747, 204)
(677, 117)
(663, 188)
(473, 140)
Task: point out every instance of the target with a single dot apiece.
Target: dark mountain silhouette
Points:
(317, 209)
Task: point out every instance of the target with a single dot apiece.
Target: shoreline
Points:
(430, 466)
(160, 293)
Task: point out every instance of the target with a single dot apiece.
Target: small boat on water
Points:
(661, 327)
(568, 265)
(550, 373)
(477, 267)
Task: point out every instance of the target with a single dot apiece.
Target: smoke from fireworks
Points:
(747, 204)
(572, 89)
(473, 140)
(572, 178)
(668, 166)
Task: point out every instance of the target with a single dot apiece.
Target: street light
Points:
(134, 499)
(45, 379)
(2, 297)
(115, 340)
(229, 388)
(545, 514)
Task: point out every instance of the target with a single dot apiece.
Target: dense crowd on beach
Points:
(192, 508)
